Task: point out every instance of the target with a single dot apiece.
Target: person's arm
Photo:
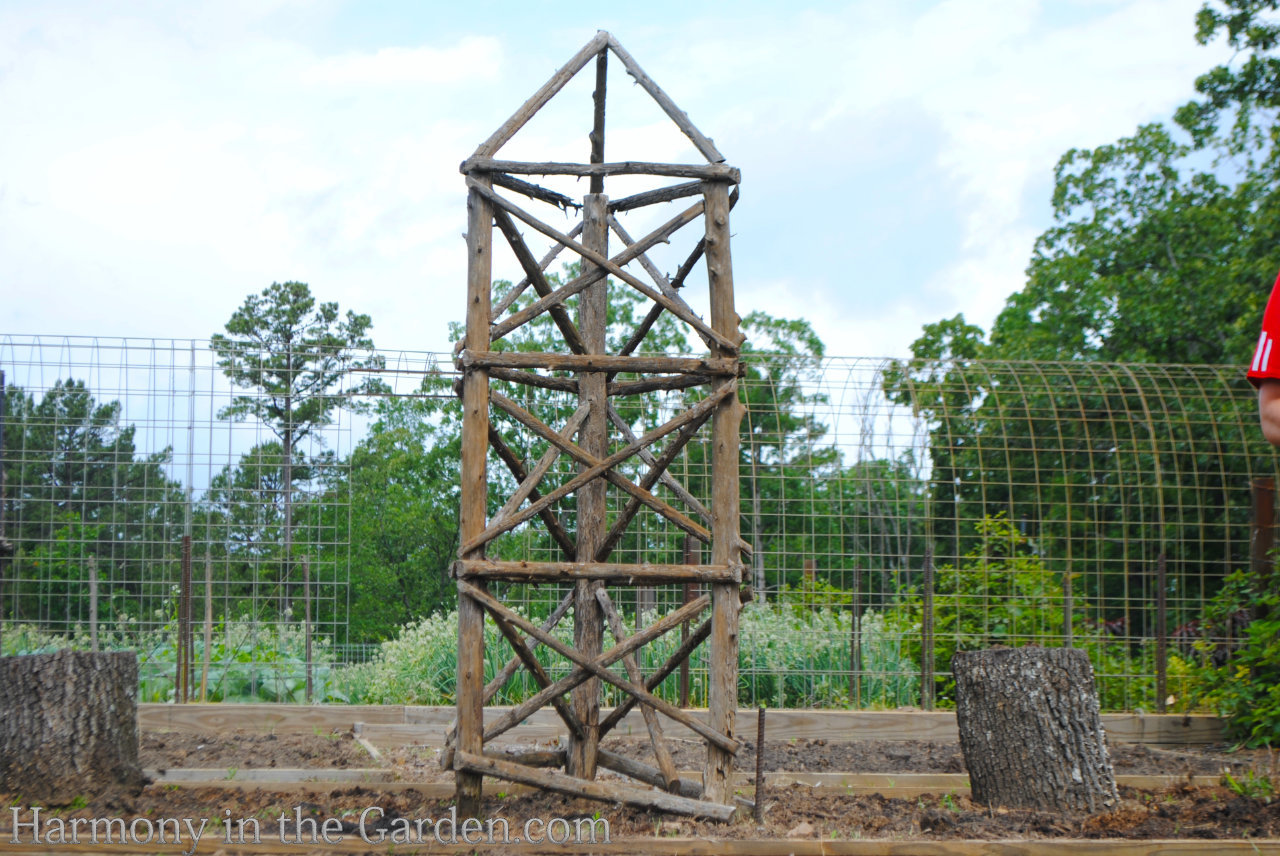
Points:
(1269, 409)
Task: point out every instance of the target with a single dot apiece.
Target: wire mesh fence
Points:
(895, 512)
(140, 507)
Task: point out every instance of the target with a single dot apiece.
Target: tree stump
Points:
(1031, 731)
(69, 725)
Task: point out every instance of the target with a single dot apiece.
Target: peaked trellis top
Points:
(539, 99)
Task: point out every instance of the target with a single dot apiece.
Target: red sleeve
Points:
(1266, 358)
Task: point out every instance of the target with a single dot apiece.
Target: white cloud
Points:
(473, 58)
(223, 151)
(1003, 95)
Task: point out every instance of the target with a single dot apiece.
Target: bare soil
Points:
(794, 812)
(927, 756)
(246, 750)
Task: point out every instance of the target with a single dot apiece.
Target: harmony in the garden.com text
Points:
(37, 825)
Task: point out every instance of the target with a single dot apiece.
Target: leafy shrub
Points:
(420, 665)
(1245, 686)
(1002, 594)
(889, 677)
(248, 661)
(20, 639)
(786, 659)
(792, 658)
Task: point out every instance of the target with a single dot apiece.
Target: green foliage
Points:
(404, 484)
(786, 659)
(1163, 249)
(79, 491)
(999, 594)
(813, 593)
(1245, 686)
(418, 666)
(1250, 90)
(1250, 785)
(243, 516)
(20, 639)
(296, 356)
(890, 678)
(248, 661)
(1150, 245)
(303, 363)
(791, 659)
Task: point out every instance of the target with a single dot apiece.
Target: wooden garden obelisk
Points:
(599, 440)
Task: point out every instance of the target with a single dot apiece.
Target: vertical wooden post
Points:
(593, 309)
(855, 641)
(93, 604)
(588, 618)
(692, 556)
(726, 539)
(471, 513)
(184, 623)
(1263, 534)
(758, 796)
(306, 623)
(597, 127)
(208, 625)
(646, 601)
(1162, 632)
(4, 542)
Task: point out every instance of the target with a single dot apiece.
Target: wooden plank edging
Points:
(708, 847)
(386, 725)
(373, 778)
(267, 718)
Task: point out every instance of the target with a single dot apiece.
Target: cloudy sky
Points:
(159, 161)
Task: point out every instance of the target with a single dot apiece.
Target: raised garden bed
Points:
(822, 796)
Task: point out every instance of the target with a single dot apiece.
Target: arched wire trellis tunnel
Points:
(901, 510)
(895, 510)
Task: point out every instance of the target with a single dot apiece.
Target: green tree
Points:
(304, 362)
(786, 462)
(404, 489)
(1163, 249)
(243, 512)
(79, 490)
(1248, 94)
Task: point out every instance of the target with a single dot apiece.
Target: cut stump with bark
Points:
(69, 725)
(1031, 731)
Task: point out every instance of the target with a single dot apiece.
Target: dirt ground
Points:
(927, 756)
(246, 750)
(251, 750)
(794, 812)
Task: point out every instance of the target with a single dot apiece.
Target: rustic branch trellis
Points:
(587, 561)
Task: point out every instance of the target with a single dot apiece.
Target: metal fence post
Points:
(926, 642)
